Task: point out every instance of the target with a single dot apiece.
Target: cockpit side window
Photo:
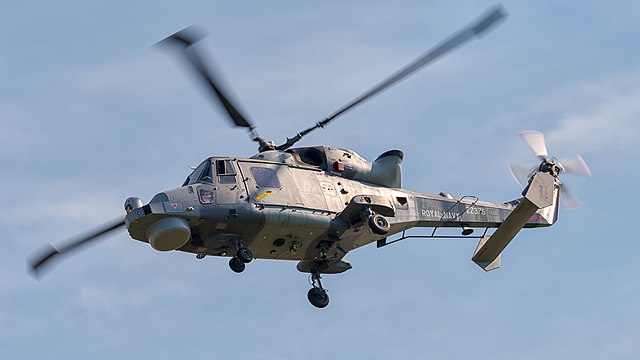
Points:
(202, 174)
(226, 172)
(205, 176)
(265, 177)
(191, 178)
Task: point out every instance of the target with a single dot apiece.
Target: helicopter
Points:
(315, 204)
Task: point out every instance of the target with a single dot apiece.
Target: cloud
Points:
(596, 116)
(19, 136)
(86, 205)
(132, 76)
(103, 299)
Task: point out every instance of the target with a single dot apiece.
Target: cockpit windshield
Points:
(202, 174)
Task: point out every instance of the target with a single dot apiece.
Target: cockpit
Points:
(214, 180)
(205, 172)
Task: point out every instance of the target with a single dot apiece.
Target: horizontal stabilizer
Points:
(486, 265)
(539, 194)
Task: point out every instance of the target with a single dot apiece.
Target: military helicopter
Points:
(316, 204)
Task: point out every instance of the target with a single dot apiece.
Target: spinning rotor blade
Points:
(185, 39)
(475, 29)
(575, 165)
(521, 174)
(50, 252)
(535, 140)
(567, 199)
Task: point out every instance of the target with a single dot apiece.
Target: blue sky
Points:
(91, 115)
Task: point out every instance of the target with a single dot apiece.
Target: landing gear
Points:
(244, 254)
(317, 295)
(379, 224)
(236, 264)
(243, 257)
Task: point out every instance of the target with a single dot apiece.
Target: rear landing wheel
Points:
(318, 297)
(236, 265)
(244, 254)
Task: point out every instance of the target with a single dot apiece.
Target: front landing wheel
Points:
(379, 225)
(318, 297)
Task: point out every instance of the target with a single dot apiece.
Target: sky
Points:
(91, 113)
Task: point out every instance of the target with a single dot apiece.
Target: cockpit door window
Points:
(226, 172)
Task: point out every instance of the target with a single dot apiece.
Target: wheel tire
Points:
(379, 224)
(245, 255)
(318, 297)
(236, 265)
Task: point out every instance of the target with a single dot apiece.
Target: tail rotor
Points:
(572, 165)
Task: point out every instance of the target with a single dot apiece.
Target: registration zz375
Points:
(473, 210)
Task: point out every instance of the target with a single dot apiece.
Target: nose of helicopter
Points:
(161, 222)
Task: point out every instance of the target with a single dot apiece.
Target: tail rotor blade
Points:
(575, 165)
(567, 199)
(51, 252)
(521, 173)
(535, 140)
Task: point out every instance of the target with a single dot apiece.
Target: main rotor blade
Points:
(186, 38)
(535, 140)
(474, 29)
(51, 252)
(575, 165)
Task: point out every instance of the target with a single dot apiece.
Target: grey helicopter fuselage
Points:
(309, 204)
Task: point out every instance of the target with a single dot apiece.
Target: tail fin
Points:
(548, 215)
